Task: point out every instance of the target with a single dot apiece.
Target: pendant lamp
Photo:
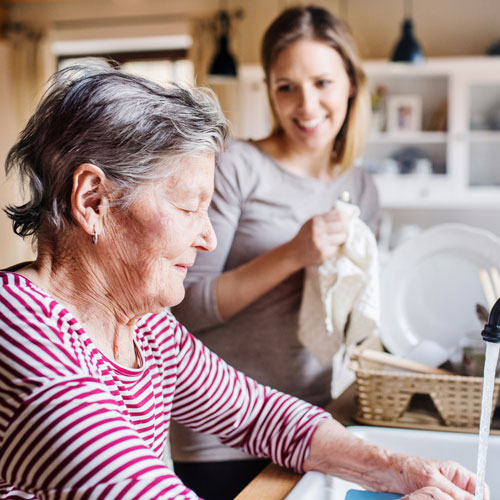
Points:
(223, 63)
(407, 48)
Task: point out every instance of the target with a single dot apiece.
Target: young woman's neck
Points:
(317, 164)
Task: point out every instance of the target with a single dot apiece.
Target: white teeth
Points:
(310, 123)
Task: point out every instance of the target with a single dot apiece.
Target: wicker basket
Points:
(384, 396)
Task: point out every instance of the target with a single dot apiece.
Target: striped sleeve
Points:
(63, 434)
(70, 441)
(214, 398)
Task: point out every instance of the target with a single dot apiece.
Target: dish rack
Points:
(386, 397)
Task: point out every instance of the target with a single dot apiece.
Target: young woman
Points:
(273, 215)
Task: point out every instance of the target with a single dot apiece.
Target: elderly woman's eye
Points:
(189, 211)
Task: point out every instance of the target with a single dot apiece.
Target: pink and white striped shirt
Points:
(76, 425)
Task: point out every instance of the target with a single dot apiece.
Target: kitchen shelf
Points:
(460, 101)
(460, 108)
(408, 137)
(484, 136)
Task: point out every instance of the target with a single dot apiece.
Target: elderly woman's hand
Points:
(336, 451)
(319, 238)
(427, 493)
(440, 480)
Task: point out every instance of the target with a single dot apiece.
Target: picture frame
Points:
(404, 113)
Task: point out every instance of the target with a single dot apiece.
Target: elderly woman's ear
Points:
(89, 198)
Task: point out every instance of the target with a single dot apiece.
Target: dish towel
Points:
(340, 300)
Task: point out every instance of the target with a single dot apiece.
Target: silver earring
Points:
(95, 237)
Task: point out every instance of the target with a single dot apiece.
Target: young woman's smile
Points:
(309, 89)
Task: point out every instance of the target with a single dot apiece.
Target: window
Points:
(158, 66)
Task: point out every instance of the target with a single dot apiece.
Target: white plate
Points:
(430, 286)
(430, 444)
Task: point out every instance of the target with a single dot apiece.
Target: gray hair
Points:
(134, 130)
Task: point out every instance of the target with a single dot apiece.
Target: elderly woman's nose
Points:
(208, 239)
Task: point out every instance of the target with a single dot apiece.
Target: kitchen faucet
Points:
(491, 330)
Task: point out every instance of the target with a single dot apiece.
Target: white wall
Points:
(443, 28)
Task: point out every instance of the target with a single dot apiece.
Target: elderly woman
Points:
(120, 173)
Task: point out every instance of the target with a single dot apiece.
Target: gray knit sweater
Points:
(258, 205)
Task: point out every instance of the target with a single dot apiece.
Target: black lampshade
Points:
(407, 49)
(223, 63)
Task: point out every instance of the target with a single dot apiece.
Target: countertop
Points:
(274, 482)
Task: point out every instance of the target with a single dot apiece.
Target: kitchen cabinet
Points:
(458, 130)
(459, 133)
(244, 101)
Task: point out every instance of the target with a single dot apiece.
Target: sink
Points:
(456, 446)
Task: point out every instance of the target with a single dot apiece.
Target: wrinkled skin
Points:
(449, 480)
(338, 452)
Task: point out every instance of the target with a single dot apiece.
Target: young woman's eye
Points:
(323, 83)
(284, 88)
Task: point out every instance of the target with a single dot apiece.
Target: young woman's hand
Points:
(319, 238)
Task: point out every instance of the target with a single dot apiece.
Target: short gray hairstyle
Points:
(136, 131)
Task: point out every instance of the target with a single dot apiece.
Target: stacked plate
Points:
(430, 286)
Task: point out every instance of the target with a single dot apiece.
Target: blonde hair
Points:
(315, 23)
